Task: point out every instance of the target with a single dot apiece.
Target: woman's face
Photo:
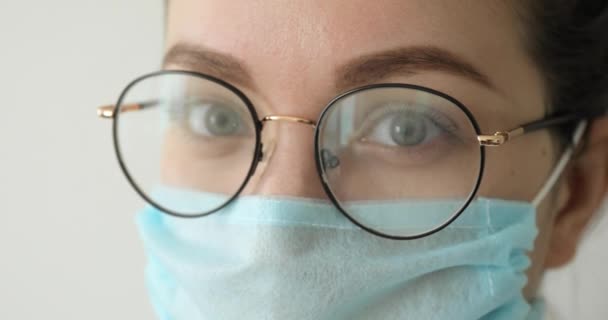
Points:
(295, 56)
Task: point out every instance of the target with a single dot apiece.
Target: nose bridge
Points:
(288, 167)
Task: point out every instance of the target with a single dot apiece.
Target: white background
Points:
(68, 243)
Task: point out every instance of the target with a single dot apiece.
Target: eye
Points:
(402, 127)
(215, 120)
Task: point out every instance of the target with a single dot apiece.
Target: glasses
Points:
(399, 160)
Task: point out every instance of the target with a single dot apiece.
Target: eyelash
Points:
(378, 112)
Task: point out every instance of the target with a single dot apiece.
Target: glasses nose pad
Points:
(329, 160)
(260, 156)
(265, 151)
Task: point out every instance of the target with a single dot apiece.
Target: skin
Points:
(292, 50)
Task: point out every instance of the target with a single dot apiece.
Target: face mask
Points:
(288, 258)
(274, 258)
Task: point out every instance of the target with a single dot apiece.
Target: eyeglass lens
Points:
(398, 160)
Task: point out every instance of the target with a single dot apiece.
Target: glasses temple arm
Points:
(502, 137)
(552, 122)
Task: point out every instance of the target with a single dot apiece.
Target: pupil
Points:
(408, 130)
(220, 121)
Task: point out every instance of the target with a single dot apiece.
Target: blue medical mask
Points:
(289, 258)
(278, 258)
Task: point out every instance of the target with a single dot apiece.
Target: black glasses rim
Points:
(131, 180)
(258, 148)
(332, 196)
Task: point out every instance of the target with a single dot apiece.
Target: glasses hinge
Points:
(106, 112)
(500, 137)
(495, 140)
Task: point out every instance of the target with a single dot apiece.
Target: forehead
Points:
(342, 27)
(282, 39)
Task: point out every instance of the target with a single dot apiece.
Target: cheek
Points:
(191, 163)
(518, 169)
(519, 172)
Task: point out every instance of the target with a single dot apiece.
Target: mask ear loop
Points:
(561, 164)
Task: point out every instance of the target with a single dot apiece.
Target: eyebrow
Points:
(366, 69)
(406, 61)
(204, 60)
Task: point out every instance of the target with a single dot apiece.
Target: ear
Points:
(586, 185)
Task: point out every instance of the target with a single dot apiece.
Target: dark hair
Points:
(569, 42)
